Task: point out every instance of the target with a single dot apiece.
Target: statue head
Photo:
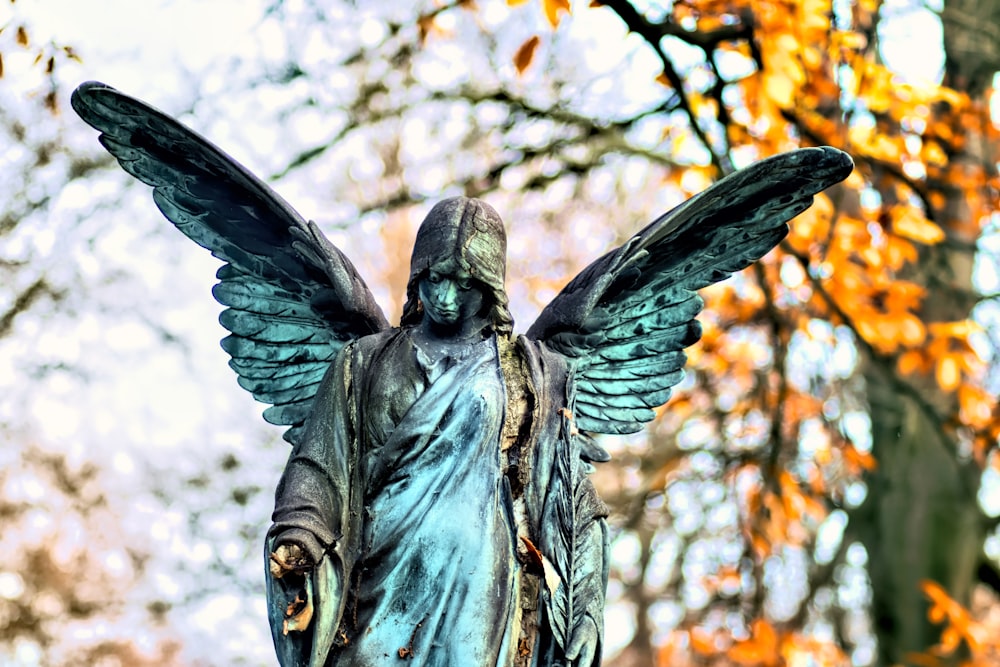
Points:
(469, 232)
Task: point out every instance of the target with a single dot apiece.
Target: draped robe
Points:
(398, 492)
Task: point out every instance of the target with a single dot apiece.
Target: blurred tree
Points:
(97, 545)
(70, 571)
(811, 492)
(888, 261)
(922, 520)
(71, 564)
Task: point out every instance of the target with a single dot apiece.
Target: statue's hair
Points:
(470, 232)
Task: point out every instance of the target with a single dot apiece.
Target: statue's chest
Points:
(400, 380)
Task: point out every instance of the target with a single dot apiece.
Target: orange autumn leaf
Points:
(953, 97)
(553, 11)
(798, 505)
(913, 361)
(760, 649)
(761, 546)
(959, 623)
(909, 223)
(658, 478)
(911, 330)
(948, 372)
(703, 641)
(932, 153)
(847, 39)
(858, 460)
(674, 650)
(525, 54)
(975, 406)
(899, 252)
(813, 225)
(960, 329)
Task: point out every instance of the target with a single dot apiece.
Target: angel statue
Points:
(436, 506)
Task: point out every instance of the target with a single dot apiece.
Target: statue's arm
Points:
(312, 497)
(310, 545)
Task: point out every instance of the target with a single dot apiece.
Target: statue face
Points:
(450, 295)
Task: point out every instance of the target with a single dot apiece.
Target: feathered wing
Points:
(625, 320)
(293, 299)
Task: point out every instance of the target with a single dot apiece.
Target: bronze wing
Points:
(293, 299)
(625, 320)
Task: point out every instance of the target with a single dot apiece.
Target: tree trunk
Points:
(921, 519)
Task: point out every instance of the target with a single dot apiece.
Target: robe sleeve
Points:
(315, 509)
(567, 521)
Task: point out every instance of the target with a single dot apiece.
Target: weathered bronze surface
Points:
(436, 506)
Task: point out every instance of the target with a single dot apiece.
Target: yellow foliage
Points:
(932, 153)
(847, 39)
(898, 253)
(780, 88)
(811, 228)
(910, 223)
(553, 11)
(814, 15)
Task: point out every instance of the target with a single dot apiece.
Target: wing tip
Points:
(831, 165)
(84, 100)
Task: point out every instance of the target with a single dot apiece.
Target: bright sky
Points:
(144, 46)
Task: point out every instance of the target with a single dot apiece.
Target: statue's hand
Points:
(583, 644)
(289, 558)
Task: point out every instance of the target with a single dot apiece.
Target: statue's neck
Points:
(438, 341)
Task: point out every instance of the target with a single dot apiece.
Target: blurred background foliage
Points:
(824, 488)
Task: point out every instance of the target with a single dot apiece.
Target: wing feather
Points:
(627, 325)
(251, 370)
(300, 392)
(294, 413)
(293, 299)
(625, 320)
(265, 389)
(597, 407)
(613, 387)
(641, 368)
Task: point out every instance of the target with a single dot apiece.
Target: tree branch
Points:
(24, 301)
(653, 33)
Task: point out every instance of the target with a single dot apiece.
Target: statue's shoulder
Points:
(372, 343)
(537, 352)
